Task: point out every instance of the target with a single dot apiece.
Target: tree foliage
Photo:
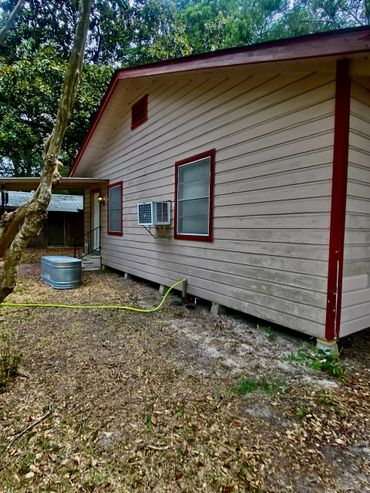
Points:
(123, 33)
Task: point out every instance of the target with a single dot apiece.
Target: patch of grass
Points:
(9, 360)
(302, 411)
(149, 422)
(271, 334)
(319, 360)
(247, 385)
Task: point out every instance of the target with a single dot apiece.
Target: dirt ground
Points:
(154, 402)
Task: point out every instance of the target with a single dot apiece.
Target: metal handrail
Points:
(88, 240)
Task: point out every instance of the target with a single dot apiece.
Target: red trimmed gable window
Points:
(115, 209)
(139, 112)
(194, 183)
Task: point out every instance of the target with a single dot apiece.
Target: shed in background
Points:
(65, 218)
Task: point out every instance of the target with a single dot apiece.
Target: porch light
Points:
(102, 200)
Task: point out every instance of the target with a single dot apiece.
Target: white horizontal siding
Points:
(273, 137)
(356, 295)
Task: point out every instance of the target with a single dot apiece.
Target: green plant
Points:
(9, 360)
(327, 400)
(320, 360)
(149, 422)
(271, 334)
(247, 385)
(302, 411)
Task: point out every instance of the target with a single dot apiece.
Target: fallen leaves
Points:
(144, 403)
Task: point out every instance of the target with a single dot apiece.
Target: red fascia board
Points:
(338, 200)
(331, 43)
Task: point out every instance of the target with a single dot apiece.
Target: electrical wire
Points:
(95, 307)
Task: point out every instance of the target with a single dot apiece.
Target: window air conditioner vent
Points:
(154, 213)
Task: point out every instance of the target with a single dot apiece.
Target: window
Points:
(139, 112)
(194, 197)
(115, 209)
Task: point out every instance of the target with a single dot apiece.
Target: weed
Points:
(271, 334)
(302, 411)
(149, 422)
(319, 360)
(327, 400)
(247, 385)
(9, 360)
(277, 385)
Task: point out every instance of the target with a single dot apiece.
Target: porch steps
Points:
(91, 262)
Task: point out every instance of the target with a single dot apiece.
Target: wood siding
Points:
(356, 292)
(273, 135)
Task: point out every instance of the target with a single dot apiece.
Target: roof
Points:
(58, 203)
(332, 43)
(66, 183)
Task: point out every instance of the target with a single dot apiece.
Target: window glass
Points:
(193, 198)
(115, 209)
(194, 180)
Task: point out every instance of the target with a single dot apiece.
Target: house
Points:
(264, 154)
(64, 223)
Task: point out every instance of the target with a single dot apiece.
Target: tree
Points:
(10, 20)
(28, 105)
(124, 33)
(18, 227)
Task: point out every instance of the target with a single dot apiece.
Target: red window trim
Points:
(113, 185)
(142, 101)
(211, 154)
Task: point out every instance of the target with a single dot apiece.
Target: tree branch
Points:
(31, 426)
(8, 24)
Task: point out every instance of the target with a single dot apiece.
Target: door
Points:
(95, 221)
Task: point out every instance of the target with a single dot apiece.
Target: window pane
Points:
(193, 216)
(193, 180)
(115, 209)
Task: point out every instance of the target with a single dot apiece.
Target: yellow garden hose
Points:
(89, 307)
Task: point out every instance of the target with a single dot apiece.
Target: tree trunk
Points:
(18, 227)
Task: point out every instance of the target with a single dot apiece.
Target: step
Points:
(91, 262)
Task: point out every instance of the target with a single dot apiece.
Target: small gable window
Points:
(115, 209)
(139, 112)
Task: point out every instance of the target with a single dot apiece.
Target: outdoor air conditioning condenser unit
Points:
(154, 213)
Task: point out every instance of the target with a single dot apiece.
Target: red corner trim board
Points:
(338, 200)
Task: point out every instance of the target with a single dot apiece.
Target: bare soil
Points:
(145, 402)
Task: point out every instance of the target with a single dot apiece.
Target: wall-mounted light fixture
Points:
(102, 200)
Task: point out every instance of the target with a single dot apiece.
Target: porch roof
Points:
(26, 184)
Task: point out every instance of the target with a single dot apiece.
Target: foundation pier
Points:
(217, 309)
(329, 347)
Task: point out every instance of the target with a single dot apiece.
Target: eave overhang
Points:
(26, 184)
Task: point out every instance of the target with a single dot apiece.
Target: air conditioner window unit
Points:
(154, 213)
